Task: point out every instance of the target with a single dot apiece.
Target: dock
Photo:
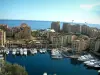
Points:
(71, 56)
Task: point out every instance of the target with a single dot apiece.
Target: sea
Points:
(40, 63)
(37, 24)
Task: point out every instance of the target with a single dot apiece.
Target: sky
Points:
(51, 10)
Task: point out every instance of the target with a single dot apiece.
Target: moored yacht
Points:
(99, 71)
(14, 51)
(17, 51)
(53, 52)
(56, 54)
(94, 64)
(21, 51)
(25, 51)
(97, 65)
(85, 57)
(33, 51)
(89, 61)
(45, 73)
(42, 50)
(7, 52)
(1, 56)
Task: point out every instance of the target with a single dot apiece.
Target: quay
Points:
(15, 45)
(71, 56)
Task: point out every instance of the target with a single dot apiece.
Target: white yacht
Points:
(89, 61)
(21, 51)
(35, 50)
(1, 57)
(14, 51)
(90, 64)
(31, 50)
(85, 57)
(53, 52)
(93, 64)
(44, 50)
(56, 54)
(99, 71)
(45, 73)
(7, 52)
(97, 66)
(25, 51)
(41, 51)
(17, 52)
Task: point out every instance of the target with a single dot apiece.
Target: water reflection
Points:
(75, 62)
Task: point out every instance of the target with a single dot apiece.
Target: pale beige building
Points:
(71, 38)
(24, 33)
(97, 45)
(2, 38)
(92, 44)
(62, 39)
(93, 32)
(80, 45)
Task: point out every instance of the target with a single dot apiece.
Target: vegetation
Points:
(35, 33)
(12, 69)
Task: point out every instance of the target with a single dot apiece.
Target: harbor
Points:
(39, 64)
(52, 61)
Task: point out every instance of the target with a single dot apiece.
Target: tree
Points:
(35, 33)
(13, 69)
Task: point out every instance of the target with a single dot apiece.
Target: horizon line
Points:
(53, 21)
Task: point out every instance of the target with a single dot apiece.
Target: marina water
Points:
(39, 63)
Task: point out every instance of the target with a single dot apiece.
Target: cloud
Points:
(88, 6)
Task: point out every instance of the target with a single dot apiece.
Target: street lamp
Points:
(86, 23)
(72, 21)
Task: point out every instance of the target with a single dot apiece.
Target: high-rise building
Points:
(67, 27)
(85, 29)
(2, 38)
(76, 28)
(55, 26)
